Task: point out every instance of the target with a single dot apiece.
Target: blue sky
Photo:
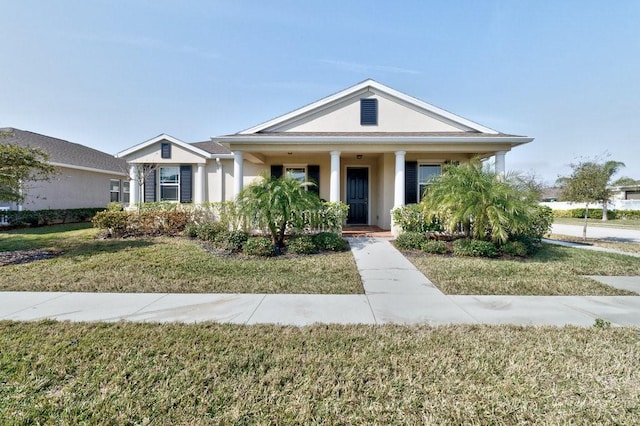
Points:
(111, 74)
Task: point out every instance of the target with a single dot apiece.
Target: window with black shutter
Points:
(369, 112)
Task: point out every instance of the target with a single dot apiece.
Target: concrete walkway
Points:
(600, 232)
(395, 292)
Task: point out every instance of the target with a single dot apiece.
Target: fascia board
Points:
(265, 139)
(169, 138)
(89, 169)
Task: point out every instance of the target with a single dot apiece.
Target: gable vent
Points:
(368, 112)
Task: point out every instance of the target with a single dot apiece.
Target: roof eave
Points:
(515, 140)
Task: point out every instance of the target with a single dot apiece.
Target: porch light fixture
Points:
(359, 156)
(289, 153)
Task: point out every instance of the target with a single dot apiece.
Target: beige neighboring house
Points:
(369, 146)
(85, 176)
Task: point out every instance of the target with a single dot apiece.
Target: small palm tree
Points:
(274, 203)
(487, 205)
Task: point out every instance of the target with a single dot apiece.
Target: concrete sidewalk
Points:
(395, 292)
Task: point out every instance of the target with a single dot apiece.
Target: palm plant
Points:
(486, 205)
(275, 203)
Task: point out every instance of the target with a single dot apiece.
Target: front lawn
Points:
(611, 223)
(171, 265)
(553, 271)
(126, 373)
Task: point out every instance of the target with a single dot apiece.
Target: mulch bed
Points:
(26, 256)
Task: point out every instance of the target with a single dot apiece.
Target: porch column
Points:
(237, 173)
(199, 192)
(334, 187)
(134, 196)
(398, 195)
(499, 160)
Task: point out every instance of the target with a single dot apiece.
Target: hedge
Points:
(48, 217)
(596, 213)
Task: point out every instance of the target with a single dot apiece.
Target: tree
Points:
(19, 166)
(141, 173)
(590, 183)
(274, 203)
(489, 206)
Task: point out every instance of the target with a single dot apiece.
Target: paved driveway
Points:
(613, 234)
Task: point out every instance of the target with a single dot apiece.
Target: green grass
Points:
(612, 223)
(124, 373)
(175, 265)
(553, 271)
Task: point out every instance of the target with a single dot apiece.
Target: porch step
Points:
(365, 231)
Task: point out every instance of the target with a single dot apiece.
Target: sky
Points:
(111, 74)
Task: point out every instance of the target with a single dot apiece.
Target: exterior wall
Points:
(387, 176)
(179, 155)
(392, 117)
(70, 189)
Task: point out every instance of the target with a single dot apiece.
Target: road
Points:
(613, 234)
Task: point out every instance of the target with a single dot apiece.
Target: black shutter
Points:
(368, 112)
(410, 182)
(186, 183)
(277, 171)
(165, 150)
(150, 186)
(314, 176)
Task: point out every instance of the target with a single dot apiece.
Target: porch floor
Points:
(365, 231)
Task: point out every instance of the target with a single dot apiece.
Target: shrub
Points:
(411, 218)
(231, 241)
(115, 206)
(515, 248)
(190, 230)
(474, 248)
(330, 241)
(259, 246)
(302, 245)
(114, 222)
(209, 230)
(434, 246)
(410, 240)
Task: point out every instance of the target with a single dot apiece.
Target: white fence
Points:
(4, 220)
(613, 205)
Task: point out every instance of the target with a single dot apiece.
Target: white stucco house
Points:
(85, 177)
(369, 146)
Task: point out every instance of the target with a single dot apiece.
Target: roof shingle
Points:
(64, 152)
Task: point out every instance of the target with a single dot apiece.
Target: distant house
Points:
(85, 176)
(627, 192)
(368, 146)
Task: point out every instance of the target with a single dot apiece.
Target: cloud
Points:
(149, 43)
(366, 68)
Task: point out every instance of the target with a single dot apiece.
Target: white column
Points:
(499, 160)
(334, 187)
(199, 185)
(398, 195)
(134, 196)
(237, 173)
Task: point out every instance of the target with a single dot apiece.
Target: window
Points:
(426, 174)
(114, 190)
(125, 192)
(169, 183)
(299, 173)
(165, 150)
(369, 112)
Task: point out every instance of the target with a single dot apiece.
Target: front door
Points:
(358, 195)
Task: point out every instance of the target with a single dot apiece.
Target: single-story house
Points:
(85, 176)
(369, 146)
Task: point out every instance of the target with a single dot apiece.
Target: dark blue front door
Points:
(358, 195)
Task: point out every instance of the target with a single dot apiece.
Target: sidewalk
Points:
(395, 292)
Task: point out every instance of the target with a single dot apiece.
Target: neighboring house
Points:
(368, 146)
(85, 177)
(550, 195)
(627, 192)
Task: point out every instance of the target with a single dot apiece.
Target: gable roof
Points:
(64, 153)
(361, 88)
(206, 149)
